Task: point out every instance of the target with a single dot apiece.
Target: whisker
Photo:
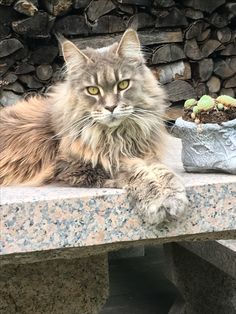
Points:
(150, 113)
(148, 125)
(70, 126)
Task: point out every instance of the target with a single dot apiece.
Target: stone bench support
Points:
(205, 276)
(59, 286)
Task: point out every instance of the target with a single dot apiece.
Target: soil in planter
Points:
(212, 116)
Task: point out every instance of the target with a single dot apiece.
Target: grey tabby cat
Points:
(101, 127)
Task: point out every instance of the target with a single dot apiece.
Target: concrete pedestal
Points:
(205, 288)
(65, 286)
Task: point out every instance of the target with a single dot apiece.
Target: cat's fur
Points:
(73, 138)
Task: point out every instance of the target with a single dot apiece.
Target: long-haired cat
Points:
(101, 127)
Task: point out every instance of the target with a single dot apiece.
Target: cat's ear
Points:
(72, 55)
(129, 46)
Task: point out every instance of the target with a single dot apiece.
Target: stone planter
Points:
(207, 147)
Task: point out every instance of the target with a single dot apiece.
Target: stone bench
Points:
(205, 275)
(55, 241)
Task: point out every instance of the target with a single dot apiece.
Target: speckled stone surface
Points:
(62, 219)
(69, 286)
(54, 240)
(230, 245)
(221, 254)
(205, 287)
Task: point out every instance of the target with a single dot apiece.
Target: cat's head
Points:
(111, 84)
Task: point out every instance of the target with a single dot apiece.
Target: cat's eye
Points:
(123, 85)
(93, 90)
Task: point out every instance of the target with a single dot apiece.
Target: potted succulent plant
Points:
(208, 132)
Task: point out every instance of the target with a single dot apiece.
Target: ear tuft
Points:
(59, 37)
(129, 45)
(71, 53)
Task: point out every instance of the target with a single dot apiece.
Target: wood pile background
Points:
(190, 44)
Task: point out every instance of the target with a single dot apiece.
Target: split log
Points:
(173, 18)
(136, 2)
(44, 72)
(223, 35)
(10, 78)
(21, 54)
(173, 112)
(6, 2)
(2, 84)
(204, 69)
(128, 9)
(4, 31)
(195, 29)
(232, 62)
(230, 9)
(193, 14)
(160, 37)
(142, 20)
(30, 81)
(5, 64)
(146, 38)
(24, 68)
(209, 47)
(109, 24)
(203, 5)
(231, 82)
(44, 54)
(164, 3)
(204, 35)
(177, 70)
(233, 38)
(214, 84)
(8, 46)
(37, 26)
(218, 20)
(168, 53)
(230, 50)
(96, 9)
(72, 25)
(15, 87)
(179, 90)
(81, 4)
(7, 15)
(201, 89)
(192, 50)
(59, 7)
(213, 95)
(223, 69)
(227, 91)
(26, 7)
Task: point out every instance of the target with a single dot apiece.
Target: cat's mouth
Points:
(113, 119)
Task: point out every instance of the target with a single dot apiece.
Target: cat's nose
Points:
(110, 108)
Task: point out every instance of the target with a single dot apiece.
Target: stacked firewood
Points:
(190, 45)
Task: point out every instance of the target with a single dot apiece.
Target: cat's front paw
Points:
(156, 203)
(164, 208)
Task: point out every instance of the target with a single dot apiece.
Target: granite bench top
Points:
(60, 219)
